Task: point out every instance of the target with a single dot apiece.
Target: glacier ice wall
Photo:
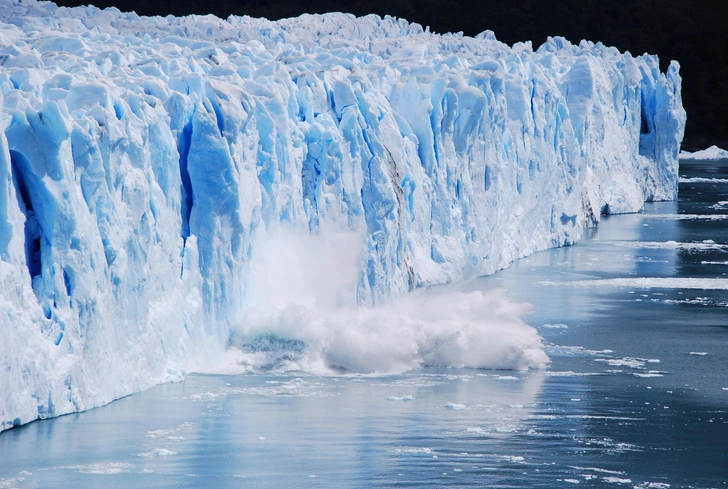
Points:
(145, 161)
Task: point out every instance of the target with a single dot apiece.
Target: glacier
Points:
(177, 193)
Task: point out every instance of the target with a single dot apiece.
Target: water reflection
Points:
(260, 431)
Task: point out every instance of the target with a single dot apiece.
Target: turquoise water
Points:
(636, 395)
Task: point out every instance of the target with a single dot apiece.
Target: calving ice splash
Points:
(174, 187)
(302, 314)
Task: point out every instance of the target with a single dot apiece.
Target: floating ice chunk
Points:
(597, 469)
(412, 450)
(702, 180)
(11, 483)
(699, 353)
(516, 459)
(569, 373)
(623, 362)
(616, 480)
(403, 398)
(711, 153)
(169, 432)
(706, 245)
(104, 468)
(455, 406)
(687, 217)
(653, 283)
(158, 452)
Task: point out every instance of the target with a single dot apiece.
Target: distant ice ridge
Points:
(148, 166)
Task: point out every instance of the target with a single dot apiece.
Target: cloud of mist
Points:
(301, 314)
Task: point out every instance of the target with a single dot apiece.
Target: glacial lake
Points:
(636, 323)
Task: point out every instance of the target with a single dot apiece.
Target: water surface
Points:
(636, 395)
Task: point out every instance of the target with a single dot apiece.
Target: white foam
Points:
(300, 319)
(292, 388)
(555, 326)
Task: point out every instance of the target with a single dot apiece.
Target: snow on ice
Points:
(176, 189)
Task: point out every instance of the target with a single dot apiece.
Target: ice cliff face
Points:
(144, 162)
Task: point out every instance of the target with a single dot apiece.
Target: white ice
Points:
(148, 166)
(712, 153)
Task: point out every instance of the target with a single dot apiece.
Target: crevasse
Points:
(145, 161)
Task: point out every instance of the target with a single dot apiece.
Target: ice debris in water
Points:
(158, 452)
(147, 164)
(104, 468)
(712, 153)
